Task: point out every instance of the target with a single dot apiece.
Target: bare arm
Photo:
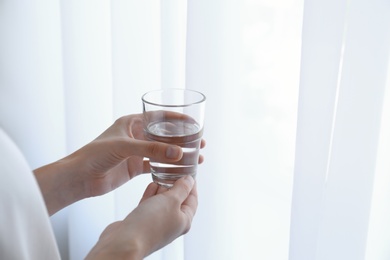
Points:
(104, 164)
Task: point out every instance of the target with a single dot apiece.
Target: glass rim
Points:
(202, 97)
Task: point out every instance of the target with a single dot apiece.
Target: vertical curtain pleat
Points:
(136, 66)
(86, 32)
(211, 67)
(173, 47)
(349, 185)
(322, 43)
(136, 46)
(173, 43)
(338, 126)
(31, 89)
(379, 227)
(31, 78)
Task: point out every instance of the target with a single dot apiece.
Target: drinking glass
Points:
(174, 116)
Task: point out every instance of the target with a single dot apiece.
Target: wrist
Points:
(60, 184)
(134, 252)
(103, 255)
(116, 249)
(133, 247)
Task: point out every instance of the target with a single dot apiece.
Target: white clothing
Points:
(25, 228)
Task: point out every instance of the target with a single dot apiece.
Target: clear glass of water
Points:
(174, 116)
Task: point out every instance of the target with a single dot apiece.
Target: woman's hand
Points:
(117, 155)
(162, 216)
(104, 164)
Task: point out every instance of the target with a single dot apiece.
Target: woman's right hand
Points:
(161, 216)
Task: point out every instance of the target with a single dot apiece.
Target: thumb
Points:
(150, 191)
(153, 150)
(182, 188)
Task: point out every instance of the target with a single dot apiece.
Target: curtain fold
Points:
(173, 43)
(322, 47)
(31, 87)
(211, 60)
(31, 78)
(87, 63)
(378, 236)
(236, 54)
(352, 164)
(334, 223)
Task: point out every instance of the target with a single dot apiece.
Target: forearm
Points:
(133, 254)
(118, 245)
(60, 185)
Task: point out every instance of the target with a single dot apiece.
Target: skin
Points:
(139, 234)
(113, 158)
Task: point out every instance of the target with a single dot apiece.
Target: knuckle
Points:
(187, 223)
(120, 120)
(154, 149)
(187, 227)
(128, 119)
(186, 189)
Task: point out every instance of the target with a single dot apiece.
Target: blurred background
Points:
(283, 98)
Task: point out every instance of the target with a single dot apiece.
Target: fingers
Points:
(146, 166)
(158, 151)
(182, 188)
(154, 150)
(202, 144)
(182, 199)
(185, 193)
(124, 147)
(201, 159)
(189, 207)
(150, 191)
(161, 189)
(192, 199)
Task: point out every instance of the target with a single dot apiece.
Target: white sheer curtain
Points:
(245, 56)
(341, 176)
(69, 68)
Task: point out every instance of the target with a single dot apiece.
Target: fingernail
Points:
(173, 152)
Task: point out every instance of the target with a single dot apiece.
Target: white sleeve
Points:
(26, 232)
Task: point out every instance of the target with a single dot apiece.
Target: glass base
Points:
(167, 180)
